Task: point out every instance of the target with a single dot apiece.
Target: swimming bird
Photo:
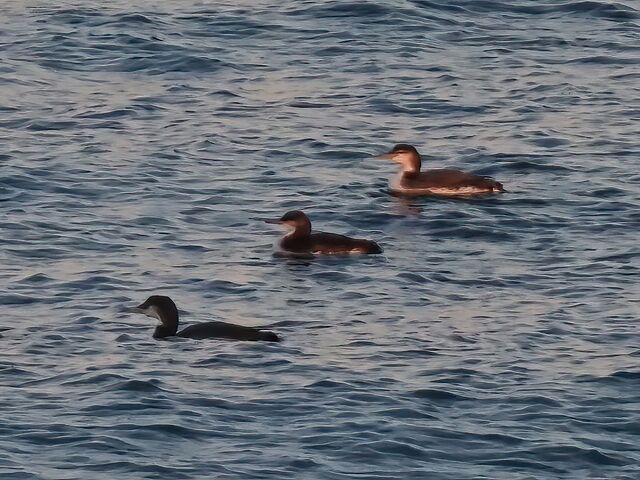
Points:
(300, 240)
(441, 181)
(163, 308)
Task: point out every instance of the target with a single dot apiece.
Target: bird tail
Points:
(268, 336)
(369, 246)
(494, 185)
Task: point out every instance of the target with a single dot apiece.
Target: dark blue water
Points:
(495, 339)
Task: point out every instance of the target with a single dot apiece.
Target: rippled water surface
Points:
(496, 338)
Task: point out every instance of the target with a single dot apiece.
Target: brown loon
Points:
(163, 308)
(302, 241)
(442, 181)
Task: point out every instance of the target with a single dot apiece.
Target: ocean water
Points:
(496, 338)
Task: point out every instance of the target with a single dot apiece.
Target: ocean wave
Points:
(496, 336)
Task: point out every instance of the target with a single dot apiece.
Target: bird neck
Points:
(169, 325)
(301, 230)
(161, 331)
(412, 166)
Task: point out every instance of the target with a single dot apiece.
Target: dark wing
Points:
(226, 331)
(322, 242)
(444, 177)
(450, 178)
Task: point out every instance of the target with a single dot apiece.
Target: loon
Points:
(301, 241)
(163, 308)
(442, 181)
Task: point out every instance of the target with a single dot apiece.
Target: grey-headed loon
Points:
(163, 308)
(442, 181)
(301, 240)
